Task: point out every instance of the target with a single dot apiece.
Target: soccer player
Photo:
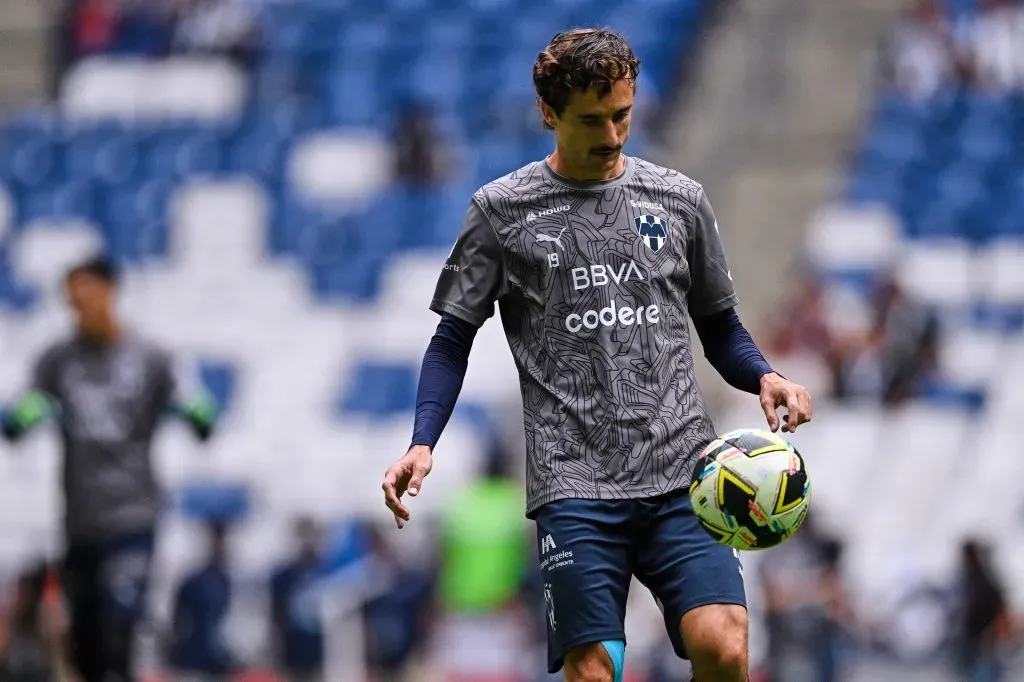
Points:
(107, 390)
(597, 260)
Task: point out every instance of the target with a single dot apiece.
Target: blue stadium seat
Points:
(74, 199)
(940, 220)
(355, 98)
(1005, 219)
(286, 29)
(208, 501)
(354, 281)
(110, 156)
(135, 222)
(13, 295)
(344, 256)
(379, 390)
(896, 145)
(220, 379)
(999, 318)
(174, 155)
(260, 155)
(33, 161)
(966, 398)
(883, 186)
(993, 108)
(962, 185)
(985, 145)
(346, 546)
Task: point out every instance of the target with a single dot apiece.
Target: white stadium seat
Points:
(183, 88)
(1002, 268)
(853, 238)
(940, 272)
(45, 250)
(340, 167)
(217, 229)
(970, 357)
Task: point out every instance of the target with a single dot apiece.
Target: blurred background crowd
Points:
(282, 179)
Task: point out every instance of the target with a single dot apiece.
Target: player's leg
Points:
(601, 662)
(125, 576)
(81, 585)
(585, 558)
(715, 638)
(699, 586)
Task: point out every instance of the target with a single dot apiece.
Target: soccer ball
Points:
(750, 489)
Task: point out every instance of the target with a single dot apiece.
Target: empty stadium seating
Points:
(265, 239)
(933, 195)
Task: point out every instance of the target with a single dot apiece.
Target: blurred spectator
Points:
(296, 622)
(485, 627)
(806, 609)
(29, 646)
(801, 325)
(83, 27)
(145, 28)
(920, 57)
(396, 620)
(907, 337)
(95, 25)
(420, 153)
(994, 43)
(894, 360)
(200, 608)
(217, 27)
(840, 619)
(120, 27)
(983, 623)
(801, 329)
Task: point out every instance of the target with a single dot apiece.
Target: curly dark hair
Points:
(579, 59)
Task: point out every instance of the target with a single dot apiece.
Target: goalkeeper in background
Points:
(107, 390)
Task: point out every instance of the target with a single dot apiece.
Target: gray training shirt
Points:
(594, 281)
(109, 401)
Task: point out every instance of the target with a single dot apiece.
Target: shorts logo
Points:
(652, 230)
(549, 606)
(551, 558)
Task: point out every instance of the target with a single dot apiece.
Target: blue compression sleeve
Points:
(616, 650)
(731, 351)
(444, 368)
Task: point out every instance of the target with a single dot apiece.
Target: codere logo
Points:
(531, 216)
(600, 275)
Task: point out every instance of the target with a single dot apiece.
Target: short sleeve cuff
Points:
(474, 318)
(718, 306)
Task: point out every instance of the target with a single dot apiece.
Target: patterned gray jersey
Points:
(108, 401)
(595, 281)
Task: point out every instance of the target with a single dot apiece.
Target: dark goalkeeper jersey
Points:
(595, 281)
(108, 401)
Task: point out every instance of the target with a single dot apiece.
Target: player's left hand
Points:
(777, 391)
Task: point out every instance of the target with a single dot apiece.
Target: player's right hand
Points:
(406, 474)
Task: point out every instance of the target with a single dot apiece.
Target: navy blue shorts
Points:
(590, 549)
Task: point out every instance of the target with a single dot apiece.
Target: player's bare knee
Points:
(727, 659)
(717, 641)
(589, 663)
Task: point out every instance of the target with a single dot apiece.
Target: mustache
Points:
(604, 150)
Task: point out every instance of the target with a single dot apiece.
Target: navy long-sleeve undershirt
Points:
(728, 346)
(441, 377)
(730, 349)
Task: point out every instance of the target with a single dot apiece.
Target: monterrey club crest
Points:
(653, 230)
